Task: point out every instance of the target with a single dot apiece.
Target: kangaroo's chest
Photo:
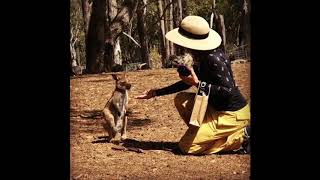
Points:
(123, 101)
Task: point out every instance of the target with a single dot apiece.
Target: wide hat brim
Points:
(211, 42)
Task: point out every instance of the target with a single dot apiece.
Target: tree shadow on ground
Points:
(145, 145)
(100, 80)
(88, 114)
(97, 114)
(153, 145)
(101, 139)
(163, 146)
(167, 146)
(150, 145)
(136, 123)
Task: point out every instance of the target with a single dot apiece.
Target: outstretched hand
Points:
(147, 94)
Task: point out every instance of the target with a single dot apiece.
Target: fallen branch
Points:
(93, 115)
(132, 39)
(77, 177)
(122, 148)
(137, 150)
(141, 65)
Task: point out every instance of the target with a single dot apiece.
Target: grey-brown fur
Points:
(185, 60)
(115, 110)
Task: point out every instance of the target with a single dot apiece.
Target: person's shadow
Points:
(146, 145)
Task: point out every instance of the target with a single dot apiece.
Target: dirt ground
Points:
(153, 126)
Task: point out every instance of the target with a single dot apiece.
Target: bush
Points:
(155, 59)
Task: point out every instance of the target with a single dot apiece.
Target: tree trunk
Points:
(177, 18)
(111, 14)
(248, 25)
(211, 20)
(222, 30)
(166, 26)
(163, 32)
(130, 28)
(177, 14)
(117, 53)
(73, 52)
(86, 11)
(180, 10)
(130, 31)
(220, 27)
(184, 9)
(244, 31)
(117, 26)
(95, 39)
(238, 37)
(171, 26)
(245, 26)
(141, 13)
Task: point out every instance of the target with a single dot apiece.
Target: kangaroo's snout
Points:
(123, 85)
(128, 86)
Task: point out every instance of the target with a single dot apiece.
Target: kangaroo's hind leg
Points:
(124, 128)
(118, 122)
(108, 123)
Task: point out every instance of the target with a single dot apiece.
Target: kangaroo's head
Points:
(121, 82)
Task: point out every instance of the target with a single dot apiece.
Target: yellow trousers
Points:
(220, 130)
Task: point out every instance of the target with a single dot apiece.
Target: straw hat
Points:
(194, 33)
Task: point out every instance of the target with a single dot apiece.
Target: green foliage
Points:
(130, 51)
(230, 9)
(199, 8)
(155, 58)
(153, 24)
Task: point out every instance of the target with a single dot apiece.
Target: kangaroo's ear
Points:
(115, 77)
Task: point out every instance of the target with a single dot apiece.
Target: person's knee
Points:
(181, 98)
(190, 148)
(187, 143)
(184, 147)
(178, 99)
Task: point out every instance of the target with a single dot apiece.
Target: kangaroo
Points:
(115, 110)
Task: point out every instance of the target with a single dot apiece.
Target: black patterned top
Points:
(215, 69)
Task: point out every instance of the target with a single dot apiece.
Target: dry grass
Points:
(153, 126)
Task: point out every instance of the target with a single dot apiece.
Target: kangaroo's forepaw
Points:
(116, 139)
(123, 137)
